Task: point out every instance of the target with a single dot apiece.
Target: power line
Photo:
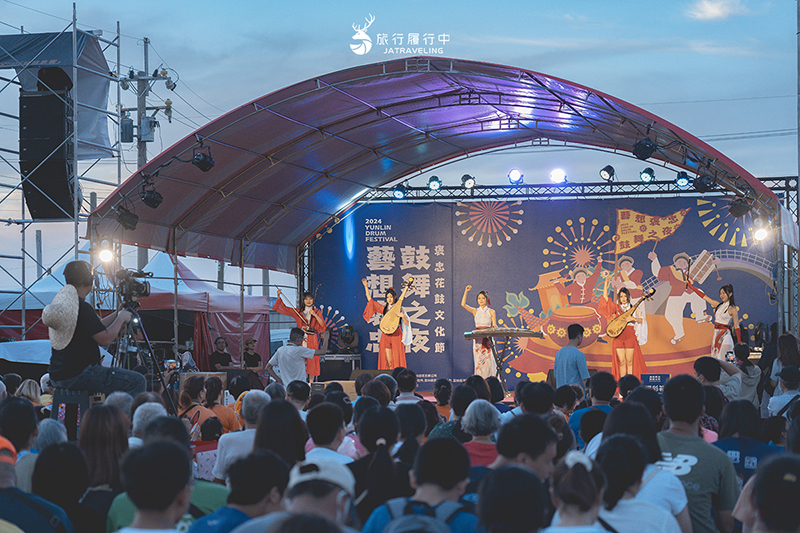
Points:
(720, 100)
(184, 83)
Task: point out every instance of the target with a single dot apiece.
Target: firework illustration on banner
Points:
(334, 321)
(492, 220)
(716, 218)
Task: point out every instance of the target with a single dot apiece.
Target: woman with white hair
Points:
(481, 420)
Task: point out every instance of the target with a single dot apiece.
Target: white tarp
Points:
(27, 53)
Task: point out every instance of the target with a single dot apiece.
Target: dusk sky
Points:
(723, 70)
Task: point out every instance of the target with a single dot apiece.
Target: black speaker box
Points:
(47, 190)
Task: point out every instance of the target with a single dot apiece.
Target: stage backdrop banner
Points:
(545, 265)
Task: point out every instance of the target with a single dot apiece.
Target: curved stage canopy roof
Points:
(287, 163)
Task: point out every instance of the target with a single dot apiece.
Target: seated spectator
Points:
(432, 416)
(313, 401)
(412, 431)
(27, 511)
(497, 394)
(481, 421)
(442, 390)
(741, 438)
(565, 400)
(18, 424)
(566, 439)
(709, 422)
(711, 480)
(580, 394)
(281, 431)
(143, 415)
(527, 441)
(651, 401)
(378, 477)
(407, 385)
(51, 431)
(30, 389)
(463, 395)
(623, 460)
(323, 489)
(521, 510)
(61, 477)
(12, 381)
(440, 475)
(211, 430)
(342, 400)
(602, 387)
(257, 482)
(391, 384)
(326, 426)
(591, 430)
(577, 493)
(776, 493)
(226, 415)
(789, 384)
(205, 498)
(378, 390)
(751, 374)
(157, 479)
(361, 380)
(297, 394)
(537, 398)
(238, 385)
(627, 384)
(123, 400)
(143, 398)
(103, 439)
(481, 387)
(190, 408)
(359, 409)
(238, 444)
(775, 431)
(333, 386)
(708, 371)
(659, 487)
(276, 391)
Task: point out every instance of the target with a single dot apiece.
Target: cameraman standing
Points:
(76, 333)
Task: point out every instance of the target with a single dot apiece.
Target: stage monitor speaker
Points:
(335, 370)
(355, 373)
(46, 154)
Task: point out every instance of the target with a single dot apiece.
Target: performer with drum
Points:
(485, 317)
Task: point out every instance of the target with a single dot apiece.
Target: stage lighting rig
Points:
(126, 218)
(202, 160)
(434, 183)
(558, 176)
(607, 173)
(467, 181)
(647, 175)
(682, 180)
(399, 191)
(705, 182)
(739, 207)
(644, 148)
(515, 177)
(150, 197)
(761, 223)
(106, 254)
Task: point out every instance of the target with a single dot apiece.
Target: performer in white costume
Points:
(485, 317)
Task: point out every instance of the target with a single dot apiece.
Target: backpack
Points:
(191, 423)
(405, 516)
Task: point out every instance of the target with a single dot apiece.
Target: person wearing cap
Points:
(581, 290)
(680, 293)
(321, 488)
(779, 405)
(28, 511)
(76, 334)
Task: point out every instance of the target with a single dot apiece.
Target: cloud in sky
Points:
(716, 9)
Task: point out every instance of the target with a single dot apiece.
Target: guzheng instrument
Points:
(501, 332)
(391, 320)
(618, 324)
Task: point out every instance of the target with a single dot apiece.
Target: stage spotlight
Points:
(399, 191)
(558, 176)
(126, 218)
(150, 197)
(203, 160)
(705, 182)
(760, 221)
(434, 183)
(644, 148)
(467, 181)
(106, 254)
(515, 177)
(647, 175)
(682, 180)
(607, 173)
(760, 234)
(739, 208)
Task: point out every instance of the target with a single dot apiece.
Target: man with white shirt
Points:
(326, 425)
(789, 384)
(238, 444)
(407, 384)
(291, 359)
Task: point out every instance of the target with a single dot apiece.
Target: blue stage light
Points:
(647, 175)
(682, 180)
(515, 177)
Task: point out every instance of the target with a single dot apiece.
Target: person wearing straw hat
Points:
(76, 334)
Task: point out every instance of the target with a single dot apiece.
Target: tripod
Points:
(130, 353)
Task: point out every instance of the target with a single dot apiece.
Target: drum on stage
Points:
(588, 317)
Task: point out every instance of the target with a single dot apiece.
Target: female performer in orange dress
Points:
(310, 320)
(626, 355)
(391, 350)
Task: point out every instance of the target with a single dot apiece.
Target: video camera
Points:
(130, 287)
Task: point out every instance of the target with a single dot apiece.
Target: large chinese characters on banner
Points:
(544, 266)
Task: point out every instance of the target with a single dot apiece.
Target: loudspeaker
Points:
(355, 373)
(46, 153)
(334, 370)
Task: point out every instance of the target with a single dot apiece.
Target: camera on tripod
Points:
(129, 286)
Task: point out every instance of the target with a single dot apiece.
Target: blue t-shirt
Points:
(575, 421)
(31, 513)
(745, 454)
(570, 367)
(463, 521)
(223, 520)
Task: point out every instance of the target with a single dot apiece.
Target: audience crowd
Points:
(717, 451)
